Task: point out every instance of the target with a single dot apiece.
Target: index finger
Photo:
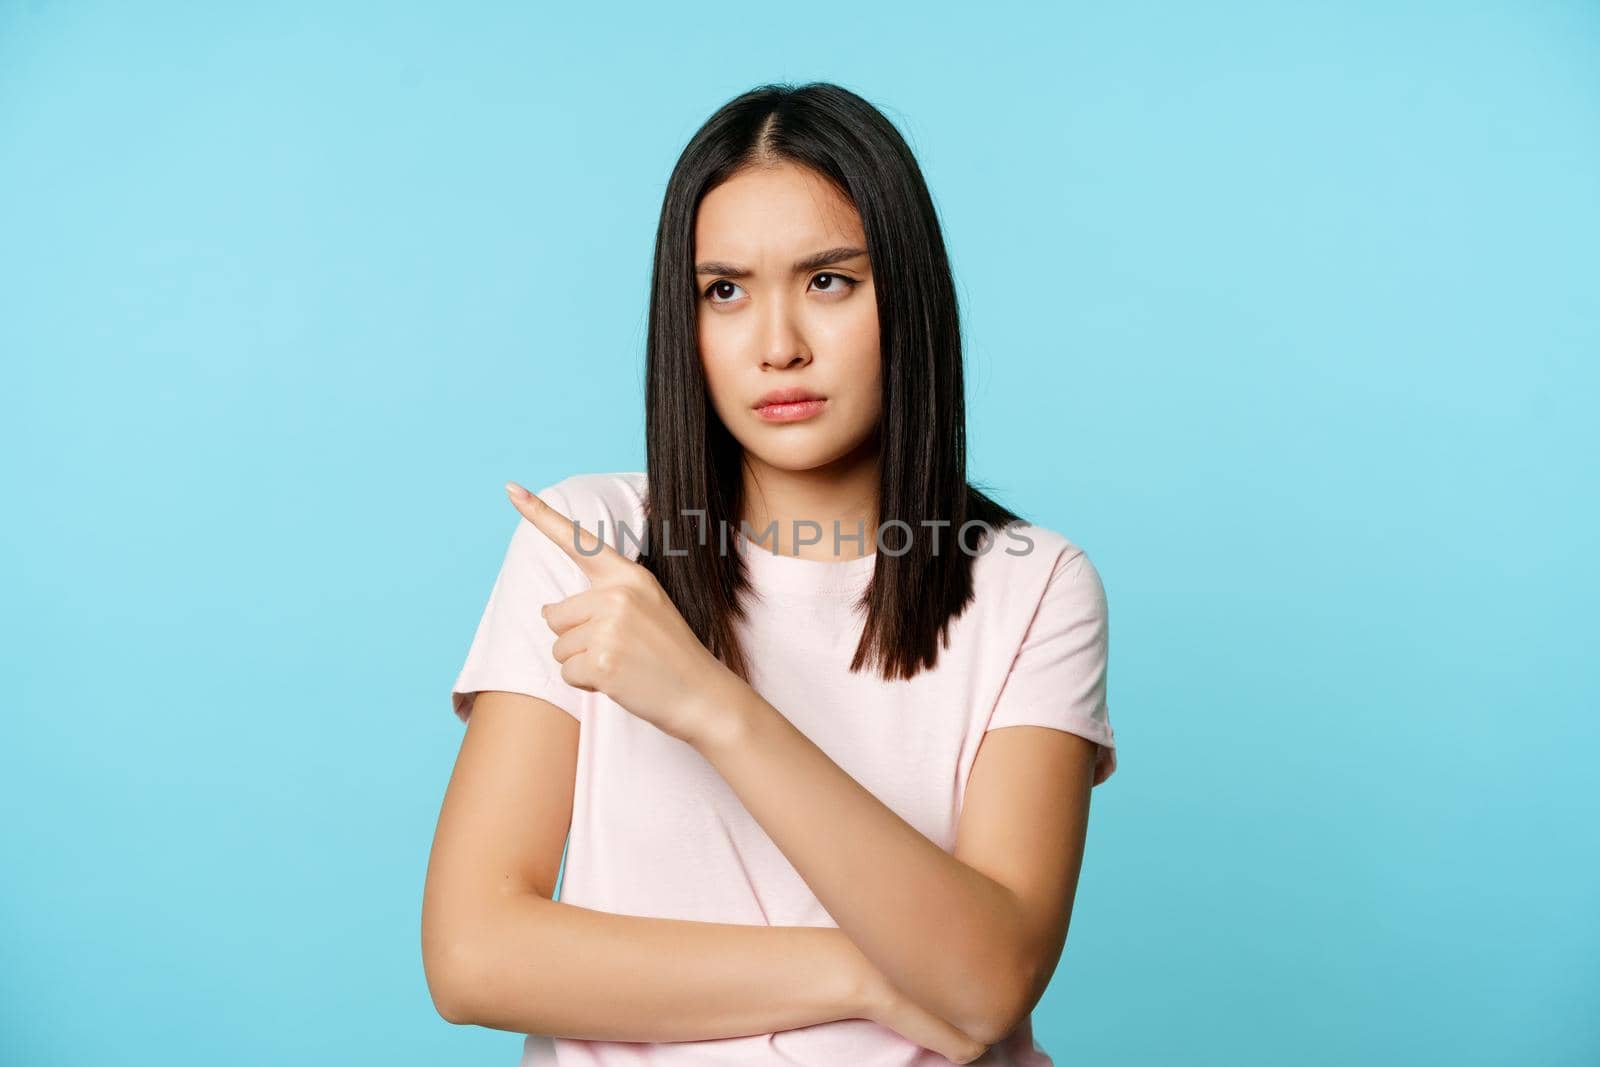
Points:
(592, 555)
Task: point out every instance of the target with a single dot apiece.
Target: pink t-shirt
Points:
(657, 832)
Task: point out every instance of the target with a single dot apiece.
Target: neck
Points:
(804, 505)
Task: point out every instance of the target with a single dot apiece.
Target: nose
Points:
(784, 362)
(782, 345)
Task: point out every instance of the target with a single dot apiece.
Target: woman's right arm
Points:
(498, 952)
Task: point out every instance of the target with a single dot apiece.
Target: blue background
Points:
(1288, 316)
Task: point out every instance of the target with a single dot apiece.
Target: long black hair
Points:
(693, 462)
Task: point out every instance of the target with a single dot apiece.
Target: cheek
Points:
(716, 363)
(862, 352)
(720, 338)
(852, 330)
(863, 373)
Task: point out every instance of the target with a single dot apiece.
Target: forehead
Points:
(774, 212)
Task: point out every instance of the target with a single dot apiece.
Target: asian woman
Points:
(816, 719)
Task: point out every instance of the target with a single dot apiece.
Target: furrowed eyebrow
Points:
(826, 258)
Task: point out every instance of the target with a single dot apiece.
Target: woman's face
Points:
(786, 301)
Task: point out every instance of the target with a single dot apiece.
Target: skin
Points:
(813, 328)
(954, 966)
(498, 952)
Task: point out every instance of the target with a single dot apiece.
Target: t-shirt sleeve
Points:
(1058, 678)
(510, 651)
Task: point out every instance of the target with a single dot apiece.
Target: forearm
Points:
(567, 971)
(945, 934)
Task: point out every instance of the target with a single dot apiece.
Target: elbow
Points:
(1004, 1000)
(990, 1026)
(448, 970)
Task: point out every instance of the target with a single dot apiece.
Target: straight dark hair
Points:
(693, 462)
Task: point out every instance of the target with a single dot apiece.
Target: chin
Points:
(798, 456)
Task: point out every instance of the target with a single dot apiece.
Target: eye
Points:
(834, 285)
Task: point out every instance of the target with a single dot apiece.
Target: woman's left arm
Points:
(972, 936)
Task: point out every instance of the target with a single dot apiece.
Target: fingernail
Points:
(516, 490)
